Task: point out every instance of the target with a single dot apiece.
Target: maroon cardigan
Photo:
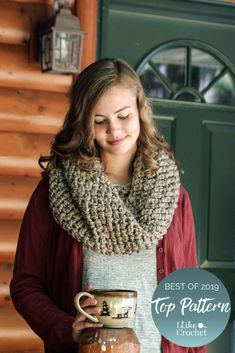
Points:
(48, 270)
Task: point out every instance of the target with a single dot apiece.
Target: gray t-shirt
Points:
(137, 271)
(134, 272)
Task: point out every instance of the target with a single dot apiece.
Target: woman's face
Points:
(116, 122)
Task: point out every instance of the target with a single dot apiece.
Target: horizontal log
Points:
(12, 209)
(29, 124)
(24, 145)
(9, 232)
(45, 2)
(15, 72)
(12, 187)
(14, 25)
(18, 21)
(5, 279)
(14, 195)
(21, 166)
(16, 335)
(32, 111)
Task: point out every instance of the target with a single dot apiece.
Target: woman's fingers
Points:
(88, 302)
(80, 322)
(79, 326)
(88, 288)
(86, 324)
(91, 310)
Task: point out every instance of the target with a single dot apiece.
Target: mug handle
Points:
(77, 298)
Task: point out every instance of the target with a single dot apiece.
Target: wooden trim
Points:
(87, 11)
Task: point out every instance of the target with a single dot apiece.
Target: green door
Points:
(185, 56)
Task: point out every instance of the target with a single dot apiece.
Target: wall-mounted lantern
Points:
(61, 43)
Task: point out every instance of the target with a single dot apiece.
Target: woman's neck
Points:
(118, 169)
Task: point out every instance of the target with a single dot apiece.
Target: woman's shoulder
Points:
(40, 195)
(183, 194)
(184, 205)
(38, 217)
(183, 191)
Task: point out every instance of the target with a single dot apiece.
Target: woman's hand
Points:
(80, 322)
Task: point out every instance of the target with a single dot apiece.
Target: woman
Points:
(109, 211)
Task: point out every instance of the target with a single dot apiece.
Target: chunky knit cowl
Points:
(88, 206)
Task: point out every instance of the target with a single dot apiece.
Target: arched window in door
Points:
(188, 70)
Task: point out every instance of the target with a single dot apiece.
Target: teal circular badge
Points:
(191, 307)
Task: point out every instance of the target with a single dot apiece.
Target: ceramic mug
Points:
(118, 307)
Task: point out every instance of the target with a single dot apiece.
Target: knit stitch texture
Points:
(90, 209)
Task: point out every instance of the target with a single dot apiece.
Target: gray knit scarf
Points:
(89, 207)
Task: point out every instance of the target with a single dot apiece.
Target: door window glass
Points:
(171, 63)
(222, 91)
(188, 71)
(204, 68)
(154, 88)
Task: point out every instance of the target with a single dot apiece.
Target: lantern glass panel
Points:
(46, 51)
(67, 49)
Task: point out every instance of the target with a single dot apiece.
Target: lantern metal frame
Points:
(61, 43)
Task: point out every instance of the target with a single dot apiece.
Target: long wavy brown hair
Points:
(76, 140)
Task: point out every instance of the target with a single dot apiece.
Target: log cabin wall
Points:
(32, 108)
